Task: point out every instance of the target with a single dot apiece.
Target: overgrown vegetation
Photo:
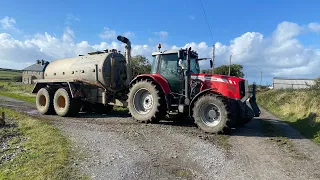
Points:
(17, 91)
(235, 70)
(43, 152)
(140, 65)
(300, 108)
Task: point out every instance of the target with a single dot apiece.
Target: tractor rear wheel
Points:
(44, 101)
(211, 114)
(146, 102)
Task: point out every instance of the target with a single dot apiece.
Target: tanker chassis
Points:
(103, 79)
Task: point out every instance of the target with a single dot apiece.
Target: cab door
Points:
(168, 68)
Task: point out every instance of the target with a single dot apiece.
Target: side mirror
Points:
(211, 63)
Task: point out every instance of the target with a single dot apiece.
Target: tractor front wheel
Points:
(146, 102)
(211, 114)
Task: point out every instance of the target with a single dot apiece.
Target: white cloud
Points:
(71, 18)
(315, 27)
(129, 34)
(280, 54)
(8, 23)
(108, 33)
(161, 34)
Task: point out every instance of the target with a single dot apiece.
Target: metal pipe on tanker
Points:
(128, 57)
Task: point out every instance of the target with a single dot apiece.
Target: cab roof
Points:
(171, 51)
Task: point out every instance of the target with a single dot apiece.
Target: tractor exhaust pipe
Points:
(128, 57)
(187, 79)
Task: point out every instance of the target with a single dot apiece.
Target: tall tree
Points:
(140, 65)
(235, 70)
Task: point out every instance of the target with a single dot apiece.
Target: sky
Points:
(277, 38)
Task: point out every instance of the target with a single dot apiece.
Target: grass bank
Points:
(17, 91)
(299, 108)
(34, 150)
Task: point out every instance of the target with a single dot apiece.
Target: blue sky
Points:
(174, 23)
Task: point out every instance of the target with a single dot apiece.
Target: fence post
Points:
(2, 119)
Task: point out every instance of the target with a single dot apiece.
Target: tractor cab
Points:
(172, 65)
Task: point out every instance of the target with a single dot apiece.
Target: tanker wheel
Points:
(146, 102)
(64, 104)
(211, 114)
(44, 101)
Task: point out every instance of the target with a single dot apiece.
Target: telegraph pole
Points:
(260, 78)
(230, 64)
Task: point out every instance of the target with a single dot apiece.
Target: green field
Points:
(9, 74)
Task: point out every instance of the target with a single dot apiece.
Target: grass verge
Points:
(299, 108)
(45, 152)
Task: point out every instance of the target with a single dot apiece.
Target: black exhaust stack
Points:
(187, 79)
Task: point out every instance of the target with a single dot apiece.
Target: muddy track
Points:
(116, 147)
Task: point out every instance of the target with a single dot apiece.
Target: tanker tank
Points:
(108, 68)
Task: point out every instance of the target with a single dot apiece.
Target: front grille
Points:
(242, 88)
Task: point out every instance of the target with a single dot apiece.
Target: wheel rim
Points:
(61, 102)
(143, 101)
(42, 100)
(210, 115)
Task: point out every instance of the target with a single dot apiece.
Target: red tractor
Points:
(215, 102)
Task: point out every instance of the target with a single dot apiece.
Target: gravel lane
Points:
(115, 147)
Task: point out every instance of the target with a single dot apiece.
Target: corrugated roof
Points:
(37, 67)
(293, 78)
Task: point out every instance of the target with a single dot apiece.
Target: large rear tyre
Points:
(44, 101)
(146, 102)
(64, 104)
(211, 114)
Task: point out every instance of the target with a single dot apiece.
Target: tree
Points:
(140, 65)
(235, 70)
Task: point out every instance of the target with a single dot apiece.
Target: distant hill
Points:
(10, 74)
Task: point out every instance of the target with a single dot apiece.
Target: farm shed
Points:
(35, 71)
(292, 83)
